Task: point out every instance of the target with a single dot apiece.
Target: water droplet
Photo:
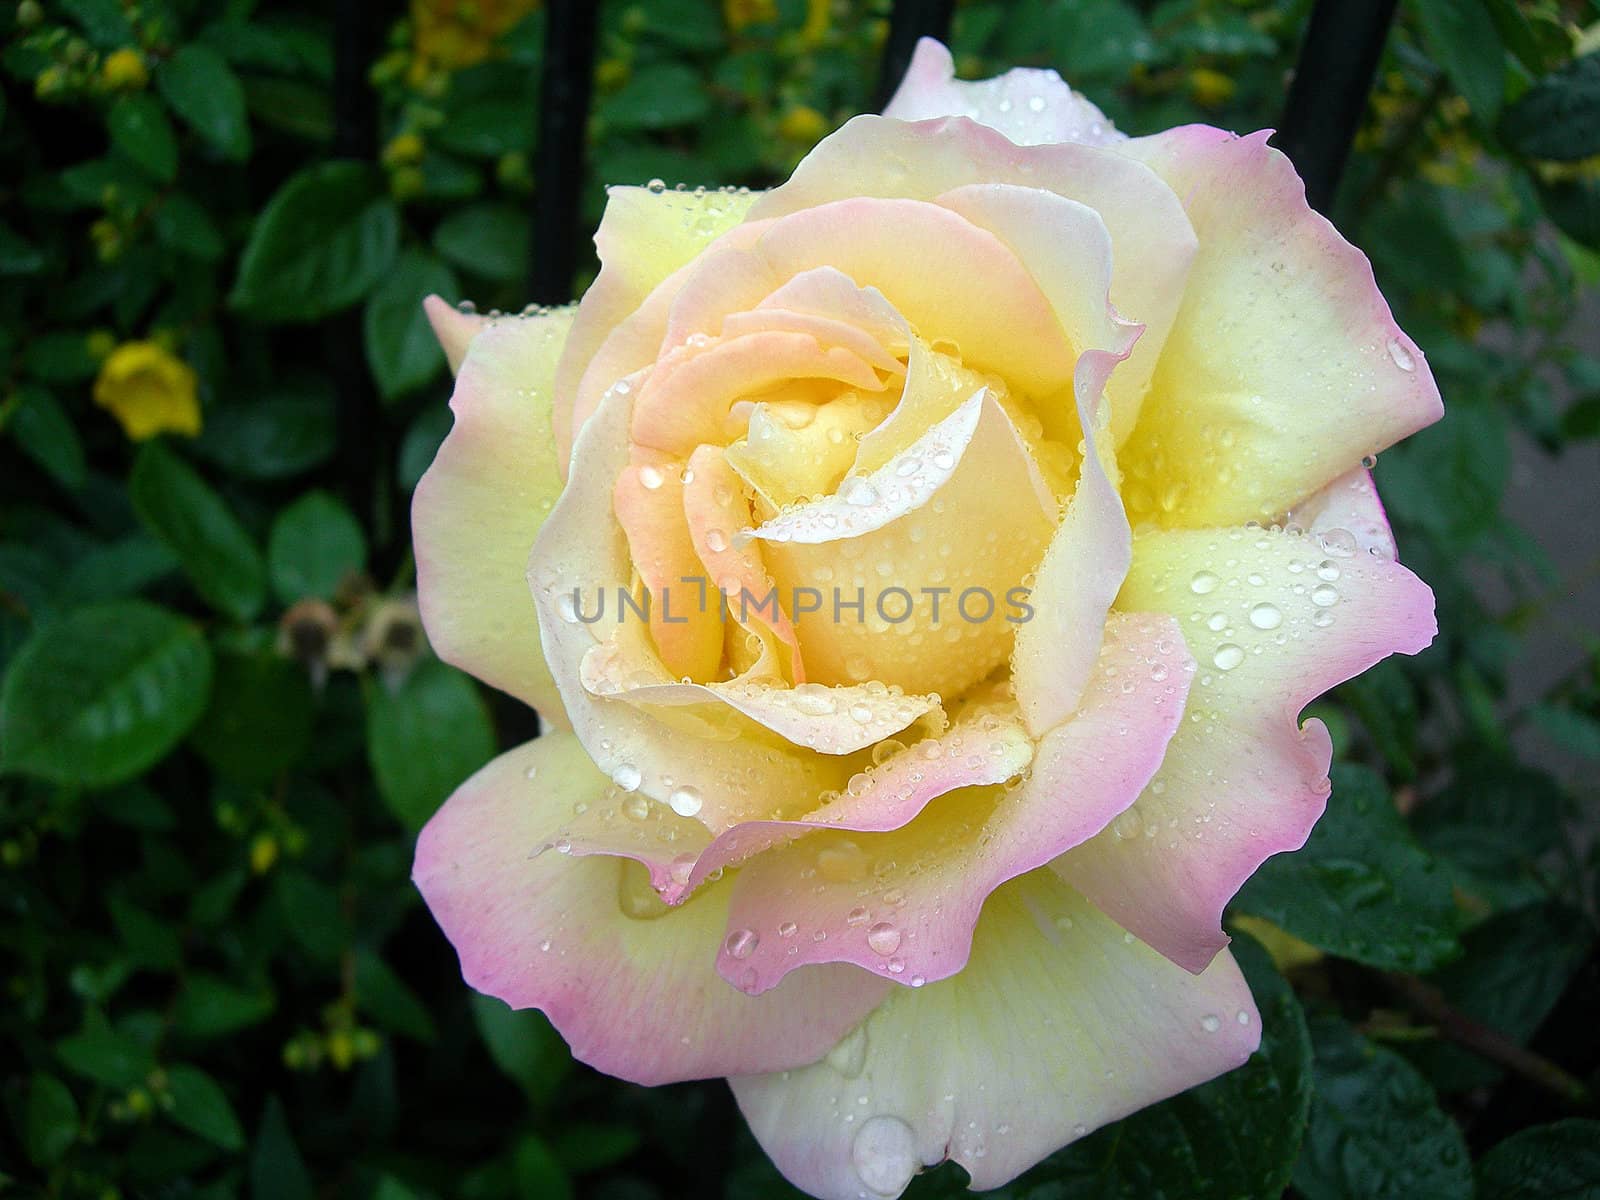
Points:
(1324, 595)
(685, 801)
(1322, 618)
(1266, 616)
(636, 807)
(857, 916)
(627, 777)
(856, 490)
(741, 942)
(1128, 824)
(884, 938)
(1244, 1016)
(1228, 656)
(1036, 104)
(1340, 543)
(884, 1154)
(861, 712)
(1328, 570)
(716, 541)
(1211, 1022)
(1403, 358)
(650, 478)
(1203, 583)
(530, 773)
(657, 186)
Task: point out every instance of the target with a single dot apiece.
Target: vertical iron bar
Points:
(908, 21)
(1338, 61)
(564, 91)
(363, 449)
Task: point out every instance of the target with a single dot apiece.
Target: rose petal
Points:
(934, 526)
(478, 508)
(1284, 366)
(1274, 622)
(1058, 1026)
(645, 236)
(628, 982)
(1347, 513)
(1079, 576)
(1028, 105)
(1152, 240)
(454, 329)
(581, 553)
(905, 902)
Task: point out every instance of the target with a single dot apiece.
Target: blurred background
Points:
(221, 725)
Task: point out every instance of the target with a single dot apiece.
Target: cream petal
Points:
(1274, 622)
(628, 982)
(1284, 366)
(1028, 105)
(1059, 1025)
(478, 508)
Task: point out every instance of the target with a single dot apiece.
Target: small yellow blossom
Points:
(802, 123)
(818, 19)
(611, 73)
(740, 14)
(1210, 88)
(124, 69)
(263, 853)
(404, 150)
(450, 34)
(149, 391)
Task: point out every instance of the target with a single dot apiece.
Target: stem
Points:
(1426, 1000)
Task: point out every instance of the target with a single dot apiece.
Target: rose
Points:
(940, 886)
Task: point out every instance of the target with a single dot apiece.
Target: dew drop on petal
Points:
(1211, 1022)
(1203, 583)
(627, 777)
(884, 938)
(685, 801)
(1403, 358)
(1228, 656)
(884, 1154)
(741, 942)
(1266, 616)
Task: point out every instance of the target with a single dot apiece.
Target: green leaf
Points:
(1558, 117)
(1560, 1161)
(1574, 205)
(388, 1000)
(50, 1120)
(425, 738)
(1516, 966)
(1235, 1138)
(1572, 730)
(203, 90)
(583, 1146)
(260, 717)
(147, 940)
(316, 543)
(401, 349)
(1464, 39)
(1376, 1131)
(45, 433)
(209, 1006)
(102, 694)
(201, 1106)
(1361, 888)
(140, 129)
(490, 240)
(524, 1045)
(192, 521)
(327, 236)
(183, 226)
(18, 256)
(272, 436)
(115, 571)
(660, 96)
(107, 1056)
(539, 1175)
(102, 21)
(311, 912)
(277, 1172)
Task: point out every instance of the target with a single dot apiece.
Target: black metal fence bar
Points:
(908, 21)
(1332, 81)
(564, 93)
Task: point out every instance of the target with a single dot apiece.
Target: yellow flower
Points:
(1209, 88)
(817, 21)
(802, 123)
(405, 150)
(124, 69)
(742, 13)
(1286, 950)
(149, 391)
(458, 33)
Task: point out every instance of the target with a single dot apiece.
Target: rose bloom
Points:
(923, 885)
